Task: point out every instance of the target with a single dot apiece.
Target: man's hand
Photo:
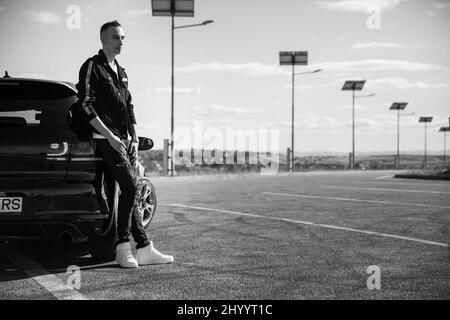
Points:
(133, 152)
(113, 140)
(117, 144)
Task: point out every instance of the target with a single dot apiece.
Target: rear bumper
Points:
(52, 228)
(76, 209)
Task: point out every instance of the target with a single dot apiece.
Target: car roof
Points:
(67, 84)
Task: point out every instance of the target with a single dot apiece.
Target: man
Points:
(106, 103)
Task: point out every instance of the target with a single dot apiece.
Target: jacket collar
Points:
(106, 64)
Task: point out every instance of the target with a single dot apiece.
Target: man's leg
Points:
(120, 168)
(137, 229)
(146, 252)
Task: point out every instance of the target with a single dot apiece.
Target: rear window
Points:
(34, 116)
(33, 90)
(30, 117)
(34, 104)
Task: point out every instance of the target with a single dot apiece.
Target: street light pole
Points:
(425, 120)
(354, 85)
(172, 97)
(398, 106)
(292, 126)
(293, 94)
(293, 58)
(172, 8)
(445, 151)
(425, 163)
(353, 130)
(444, 130)
(398, 138)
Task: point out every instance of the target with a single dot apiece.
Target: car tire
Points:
(103, 247)
(147, 201)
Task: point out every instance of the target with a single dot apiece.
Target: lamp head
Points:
(207, 21)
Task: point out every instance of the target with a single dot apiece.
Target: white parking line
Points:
(386, 189)
(50, 282)
(387, 235)
(358, 200)
(384, 177)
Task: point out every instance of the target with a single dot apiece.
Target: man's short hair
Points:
(105, 26)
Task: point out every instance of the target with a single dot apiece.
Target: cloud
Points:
(349, 106)
(185, 91)
(438, 6)
(44, 17)
(358, 5)
(442, 5)
(259, 69)
(250, 68)
(216, 110)
(2, 9)
(369, 65)
(132, 14)
(305, 87)
(366, 45)
(302, 87)
(376, 123)
(315, 122)
(392, 83)
(409, 120)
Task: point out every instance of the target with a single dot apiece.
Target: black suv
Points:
(53, 183)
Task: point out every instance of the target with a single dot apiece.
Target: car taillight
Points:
(82, 149)
(57, 149)
(63, 151)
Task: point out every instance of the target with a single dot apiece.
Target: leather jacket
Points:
(104, 94)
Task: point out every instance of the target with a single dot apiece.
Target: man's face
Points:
(112, 40)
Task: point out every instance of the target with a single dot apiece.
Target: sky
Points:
(227, 73)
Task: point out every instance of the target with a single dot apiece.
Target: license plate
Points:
(10, 204)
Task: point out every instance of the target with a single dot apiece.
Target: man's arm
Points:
(113, 140)
(134, 144)
(132, 130)
(87, 86)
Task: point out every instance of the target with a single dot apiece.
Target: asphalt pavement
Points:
(318, 235)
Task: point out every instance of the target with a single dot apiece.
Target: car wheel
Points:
(103, 246)
(146, 203)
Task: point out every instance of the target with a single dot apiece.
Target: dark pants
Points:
(128, 217)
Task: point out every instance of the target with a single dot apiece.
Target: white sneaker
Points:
(124, 256)
(149, 255)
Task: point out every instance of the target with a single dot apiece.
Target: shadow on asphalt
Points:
(51, 257)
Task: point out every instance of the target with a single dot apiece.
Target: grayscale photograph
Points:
(228, 156)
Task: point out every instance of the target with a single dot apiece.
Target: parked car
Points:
(53, 183)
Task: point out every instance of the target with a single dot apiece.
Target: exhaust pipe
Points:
(66, 237)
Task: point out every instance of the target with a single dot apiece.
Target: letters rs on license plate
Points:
(10, 204)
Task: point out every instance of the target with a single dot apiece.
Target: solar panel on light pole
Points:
(177, 8)
(398, 106)
(174, 8)
(425, 120)
(353, 85)
(293, 58)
